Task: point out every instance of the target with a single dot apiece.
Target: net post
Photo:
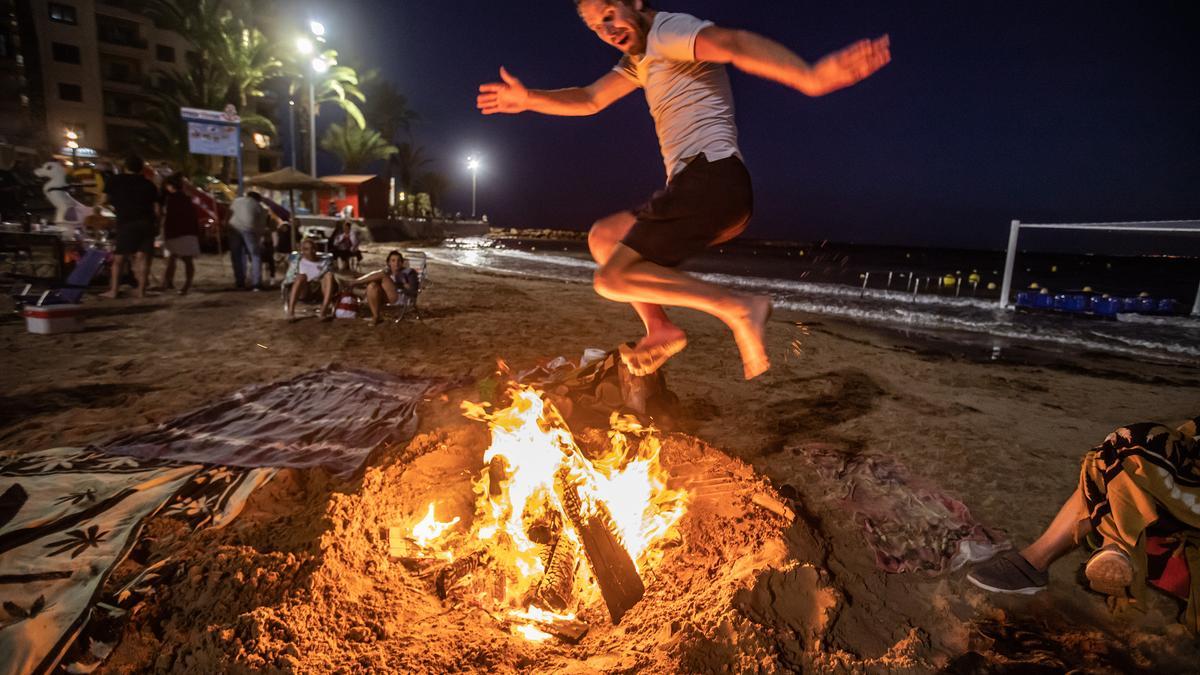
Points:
(1196, 305)
(1010, 260)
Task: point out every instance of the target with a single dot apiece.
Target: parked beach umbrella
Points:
(289, 179)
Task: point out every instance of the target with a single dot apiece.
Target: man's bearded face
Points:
(617, 23)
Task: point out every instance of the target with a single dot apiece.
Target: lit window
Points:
(63, 13)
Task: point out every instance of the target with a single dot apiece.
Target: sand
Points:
(302, 582)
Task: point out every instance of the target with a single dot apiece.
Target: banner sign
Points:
(212, 132)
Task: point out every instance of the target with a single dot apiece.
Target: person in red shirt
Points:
(181, 231)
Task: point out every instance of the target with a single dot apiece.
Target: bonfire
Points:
(555, 530)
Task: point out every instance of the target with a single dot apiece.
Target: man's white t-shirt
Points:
(691, 101)
(247, 215)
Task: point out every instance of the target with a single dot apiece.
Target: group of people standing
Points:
(141, 210)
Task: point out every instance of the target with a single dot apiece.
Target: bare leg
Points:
(327, 286)
(298, 283)
(169, 273)
(374, 301)
(627, 277)
(189, 270)
(661, 334)
(1062, 536)
(141, 271)
(118, 261)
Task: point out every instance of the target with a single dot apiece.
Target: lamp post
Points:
(473, 165)
(319, 66)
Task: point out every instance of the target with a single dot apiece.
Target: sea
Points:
(946, 294)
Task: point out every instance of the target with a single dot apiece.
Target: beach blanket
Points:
(1140, 475)
(67, 517)
(331, 418)
(910, 524)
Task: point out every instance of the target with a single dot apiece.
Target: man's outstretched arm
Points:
(510, 96)
(757, 55)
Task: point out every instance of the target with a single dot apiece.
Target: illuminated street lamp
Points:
(473, 165)
(304, 45)
(72, 137)
(319, 66)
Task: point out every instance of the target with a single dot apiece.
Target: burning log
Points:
(615, 573)
(497, 474)
(557, 587)
(452, 574)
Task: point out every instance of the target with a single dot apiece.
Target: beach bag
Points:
(346, 306)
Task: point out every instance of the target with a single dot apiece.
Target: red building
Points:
(368, 195)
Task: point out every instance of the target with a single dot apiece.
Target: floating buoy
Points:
(949, 280)
(1088, 289)
(1054, 268)
(1034, 286)
(991, 286)
(1143, 294)
(974, 278)
(1045, 291)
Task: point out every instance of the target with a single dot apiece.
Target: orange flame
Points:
(532, 459)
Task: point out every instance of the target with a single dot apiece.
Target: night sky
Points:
(988, 112)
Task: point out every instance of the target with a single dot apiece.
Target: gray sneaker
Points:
(1008, 573)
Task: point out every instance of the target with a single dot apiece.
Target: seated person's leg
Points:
(328, 286)
(299, 285)
(1025, 573)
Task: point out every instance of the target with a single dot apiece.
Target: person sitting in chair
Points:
(344, 244)
(308, 276)
(397, 282)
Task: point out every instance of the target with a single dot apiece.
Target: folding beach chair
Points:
(285, 289)
(419, 263)
(69, 293)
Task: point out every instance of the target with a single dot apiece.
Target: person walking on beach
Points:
(181, 232)
(135, 200)
(679, 61)
(247, 223)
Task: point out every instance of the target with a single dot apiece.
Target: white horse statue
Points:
(68, 211)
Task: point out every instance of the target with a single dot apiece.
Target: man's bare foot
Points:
(292, 318)
(375, 320)
(326, 318)
(111, 295)
(749, 330)
(653, 351)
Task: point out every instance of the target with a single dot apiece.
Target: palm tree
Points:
(337, 85)
(355, 146)
(230, 64)
(406, 165)
(433, 184)
(386, 108)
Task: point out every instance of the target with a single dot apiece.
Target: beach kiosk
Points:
(367, 195)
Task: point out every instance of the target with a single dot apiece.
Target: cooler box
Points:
(53, 319)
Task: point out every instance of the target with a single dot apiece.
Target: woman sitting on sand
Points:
(1138, 504)
(309, 276)
(396, 282)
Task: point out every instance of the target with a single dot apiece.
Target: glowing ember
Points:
(536, 489)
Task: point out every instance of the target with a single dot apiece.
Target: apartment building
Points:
(97, 58)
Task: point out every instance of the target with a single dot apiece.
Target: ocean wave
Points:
(1128, 337)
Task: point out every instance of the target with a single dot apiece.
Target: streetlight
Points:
(473, 165)
(317, 28)
(304, 45)
(73, 143)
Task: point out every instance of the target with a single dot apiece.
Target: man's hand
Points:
(508, 96)
(852, 64)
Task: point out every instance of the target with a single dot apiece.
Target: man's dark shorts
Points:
(705, 204)
(135, 236)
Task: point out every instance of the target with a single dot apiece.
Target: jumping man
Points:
(680, 62)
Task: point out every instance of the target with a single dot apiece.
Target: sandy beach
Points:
(1004, 436)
